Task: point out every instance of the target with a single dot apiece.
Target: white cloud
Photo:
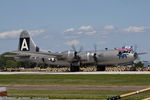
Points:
(109, 27)
(90, 33)
(71, 37)
(15, 33)
(73, 42)
(36, 32)
(105, 31)
(86, 28)
(69, 30)
(80, 32)
(10, 34)
(136, 29)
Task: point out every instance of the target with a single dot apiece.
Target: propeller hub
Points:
(95, 57)
(135, 55)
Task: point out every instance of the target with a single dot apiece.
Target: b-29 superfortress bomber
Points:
(29, 51)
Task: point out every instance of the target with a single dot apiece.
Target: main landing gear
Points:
(101, 68)
(75, 66)
(133, 68)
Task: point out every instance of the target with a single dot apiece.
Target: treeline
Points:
(8, 62)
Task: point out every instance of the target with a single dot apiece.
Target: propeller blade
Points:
(95, 47)
(135, 48)
(73, 47)
(95, 55)
(81, 49)
(76, 56)
(142, 53)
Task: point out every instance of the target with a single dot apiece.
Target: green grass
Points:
(73, 80)
(63, 94)
(96, 80)
(74, 94)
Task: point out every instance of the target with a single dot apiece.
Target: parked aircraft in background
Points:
(28, 50)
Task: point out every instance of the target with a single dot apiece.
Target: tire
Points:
(74, 68)
(101, 68)
(133, 69)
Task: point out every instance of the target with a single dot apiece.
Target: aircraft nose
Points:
(135, 55)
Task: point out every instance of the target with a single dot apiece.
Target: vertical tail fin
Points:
(26, 43)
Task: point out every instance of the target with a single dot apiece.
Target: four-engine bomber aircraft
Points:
(27, 50)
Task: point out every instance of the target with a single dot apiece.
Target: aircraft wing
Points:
(17, 56)
(50, 55)
(35, 54)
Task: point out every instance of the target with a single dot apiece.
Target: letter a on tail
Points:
(24, 46)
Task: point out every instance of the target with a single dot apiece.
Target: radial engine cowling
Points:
(69, 54)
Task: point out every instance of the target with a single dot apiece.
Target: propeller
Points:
(136, 55)
(95, 47)
(76, 56)
(81, 49)
(95, 55)
(135, 48)
(74, 49)
(142, 53)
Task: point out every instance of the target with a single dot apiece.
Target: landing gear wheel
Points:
(101, 68)
(75, 67)
(133, 68)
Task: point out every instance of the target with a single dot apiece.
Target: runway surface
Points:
(125, 72)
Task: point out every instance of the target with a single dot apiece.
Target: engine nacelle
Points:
(69, 54)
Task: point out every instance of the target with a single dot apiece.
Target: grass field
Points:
(75, 80)
(74, 94)
(106, 80)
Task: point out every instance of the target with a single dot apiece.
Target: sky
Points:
(55, 25)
